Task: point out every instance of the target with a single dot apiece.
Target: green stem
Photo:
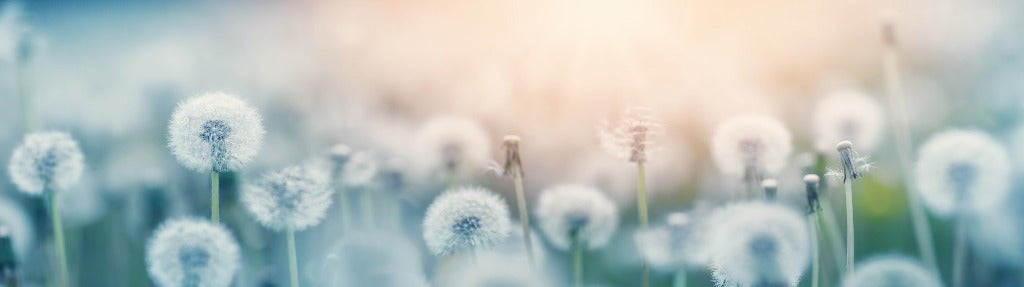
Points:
(293, 262)
(815, 257)
(904, 141)
(959, 252)
(58, 238)
(680, 279)
(831, 229)
(577, 261)
(215, 196)
(346, 208)
(849, 226)
(524, 216)
(641, 204)
(368, 213)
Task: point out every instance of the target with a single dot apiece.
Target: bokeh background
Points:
(368, 73)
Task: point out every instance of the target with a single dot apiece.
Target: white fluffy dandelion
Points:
(192, 252)
(360, 169)
(215, 132)
(576, 209)
(465, 218)
(751, 147)
(962, 167)
(848, 115)
(46, 161)
(17, 223)
(633, 137)
(892, 270)
(672, 247)
(758, 244)
(455, 146)
(296, 197)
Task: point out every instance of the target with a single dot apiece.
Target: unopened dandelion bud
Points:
(811, 181)
(340, 154)
(848, 158)
(512, 158)
(771, 188)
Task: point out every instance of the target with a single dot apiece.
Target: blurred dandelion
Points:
(47, 163)
(464, 219)
(672, 247)
(848, 115)
(751, 147)
(771, 189)
(574, 218)
(18, 225)
(633, 139)
(292, 199)
(959, 172)
(758, 244)
(456, 146)
(215, 133)
(377, 259)
(192, 252)
(811, 185)
(892, 270)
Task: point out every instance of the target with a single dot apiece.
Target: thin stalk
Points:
(849, 226)
(368, 213)
(577, 261)
(641, 204)
(901, 130)
(215, 196)
(346, 208)
(831, 228)
(58, 238)
(812, 222)
(524, 217)
(293, 262)
(680, 279)
(25, 93)
(959, 252)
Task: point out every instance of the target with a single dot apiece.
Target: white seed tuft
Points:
(465, 218)
(295, 197)
(671, 247)
(632, 138)
(215, 132)
(566, 209)
(751, 146)
(848, 115)
(46, 160)
(457, 147)
(758, 244)
(192, 252)
(962, 166)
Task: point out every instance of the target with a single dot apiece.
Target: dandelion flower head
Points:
(465, 218)
(751, 145)
(296, 197)
(633, 137)
(758, 244)
(215, 132)
(962, 166)
(848, 115)
(192, 252)
(456, 146)
(46, 160)
(576, 209)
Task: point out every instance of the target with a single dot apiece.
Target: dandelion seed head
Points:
(962, 166)
(758, 244)
(17, 223)
(751, 145)
(457, 146)
(848, 115)
(891, 270)
(377, 259)
(361, 169)
(852, 164)
(811, 184)
(192, 252)
(465, 218)
(46, 160)
(583, 210)
(633, 138)
(295, 197)
(670, 247)
(215, 132)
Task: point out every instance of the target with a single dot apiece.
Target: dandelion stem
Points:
(849, 226)
(368, 213)
(894, 90)
(815, 256)
(58, 238)
(641, 202)
(25, 93)
(524, 217)
(959, 252)
(346, 208)
(577, 260)
(680, 279)
(215, 196)
(293, 262)
(831, 229)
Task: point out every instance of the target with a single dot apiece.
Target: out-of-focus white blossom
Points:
(848, 115)
(449, 146)
(633, 137)
(751, 146)
(46, 160)
(758, 244)
(891, 270)
(962, 167)
(576, 209)
(192, 252)
(296, 197)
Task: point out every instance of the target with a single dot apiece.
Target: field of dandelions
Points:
(507, 143)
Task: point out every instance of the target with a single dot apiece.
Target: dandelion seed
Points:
(751, 147)
(215, 132)
(17, 223)
(632, 138)
(848, 115)
(962, 167)
(192, 252)
(374, 259)
(758, 244)
(465, 218)
(296, 198)
(574, 218)
(46, 161)
(892, 270)
(455, 145)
